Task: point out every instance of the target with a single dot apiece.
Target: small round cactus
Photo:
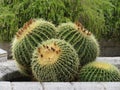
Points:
(81, 39)
(26, 40)
(55, 60)
(99, 71)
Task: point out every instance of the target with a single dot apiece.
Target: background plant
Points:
(112, 18)
(99, 16)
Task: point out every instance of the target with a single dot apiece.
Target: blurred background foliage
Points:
(102, 17)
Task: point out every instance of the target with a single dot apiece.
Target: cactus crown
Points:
(102, 65)
(48, 54)
(75, 26)
(81, 28)
(27, 28)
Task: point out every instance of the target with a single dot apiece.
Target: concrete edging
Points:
(59, 86)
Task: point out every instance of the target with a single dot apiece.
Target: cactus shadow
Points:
(14, 77)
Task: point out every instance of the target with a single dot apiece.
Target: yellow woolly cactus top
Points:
(81, 28)
(48, 54)
(27, 28)
(102, 65)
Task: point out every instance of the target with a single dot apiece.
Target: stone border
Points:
(112, 60)
(59, 86)
(3, 55)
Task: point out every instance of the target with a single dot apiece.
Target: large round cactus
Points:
(99, 71)
(55, 60)
(27, 38)
(83, 41)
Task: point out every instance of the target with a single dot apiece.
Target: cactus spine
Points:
(55, 60)
(27, 38)
(83, 41)
(99, 71)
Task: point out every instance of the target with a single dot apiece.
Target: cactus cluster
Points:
(26, 40)
(99, 71)
(64, 53)
(81, 39)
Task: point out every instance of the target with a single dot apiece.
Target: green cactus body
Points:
(83, 41)
(27, 38)
(55, 60)
(99, 71)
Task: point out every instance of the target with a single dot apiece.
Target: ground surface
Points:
(9, 70)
